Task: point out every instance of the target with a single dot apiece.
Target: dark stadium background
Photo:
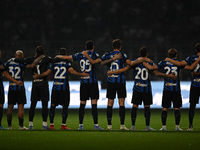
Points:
(159, 25)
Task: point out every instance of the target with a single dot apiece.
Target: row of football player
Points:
(115, 61)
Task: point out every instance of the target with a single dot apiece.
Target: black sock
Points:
(52, 114)
(44, 111)
(95, 113)
(147, 115)
(81, 113)
(64, 114)
(177, 115)
(109, 115)
(32, 111)
(1, 114)
(9, 119)
(21, 122)
(122, 114)
(133, 115)
(164, 117)
(191, 114)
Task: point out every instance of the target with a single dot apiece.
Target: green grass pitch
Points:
(90, 139)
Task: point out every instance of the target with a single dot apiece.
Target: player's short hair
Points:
(40, 50)
(19, 53)
(143, 51)
(197, 47)
(172, 52)
(117, 43)
(89, 44)
(63, 51)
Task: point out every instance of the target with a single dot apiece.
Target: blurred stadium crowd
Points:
(157, 24)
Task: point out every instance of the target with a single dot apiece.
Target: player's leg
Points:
(52, 115)
(21, 117)
(1, 107)
(45, 114)
(64, 118)
(177, 103)
(194, 99)
(84, 96)
(32, 113)
(164, 118)
(122, 113)
(9, 115)
(166, 104)
(133, 116)
(121, 93)
(109, 113)
(1, 115)
(191, 115)
(177, 115)
(81, 114)
(147, 115)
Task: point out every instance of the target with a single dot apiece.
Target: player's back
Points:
(169, 68)
(16, 70)
(115, 65)
(195, 79)
(60, 70)
(40, 68)
(142, 78)
(86, 66)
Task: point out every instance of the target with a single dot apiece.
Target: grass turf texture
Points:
(90, 139)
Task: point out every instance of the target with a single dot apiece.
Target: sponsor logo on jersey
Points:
(38, 80)
(58, 83)
(170, 84)
(197, 80)
(140, 84)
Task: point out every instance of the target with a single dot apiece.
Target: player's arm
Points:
(119, 71)
(194, 74)
(92, 61)
(116, 57)
(177, 63)
(36, 61)
(154, 67)
(160, 74)
(138, 61)
(46, 73)
(64, 57)
(191, 67)
(74, 72)
(10, 78)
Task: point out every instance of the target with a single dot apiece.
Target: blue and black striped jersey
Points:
(16, 70)
(1, 71)
(86, 66)
(115, 65)
(190, 60)
(168, 68)
(60, 71)
(142, 78)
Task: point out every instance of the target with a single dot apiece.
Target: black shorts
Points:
(171, 96)
(60, 97)
(40, 93)
(89, 91)
(16, 97)
(139, 97)
(194, 94)
(2, 97)
(113, 88)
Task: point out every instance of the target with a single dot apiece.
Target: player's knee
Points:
(164, 109)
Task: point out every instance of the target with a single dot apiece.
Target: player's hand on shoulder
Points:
(35, 76)
(85, 52)
(172, 76)
(148, 60)
(117, 56)
(167, 59)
